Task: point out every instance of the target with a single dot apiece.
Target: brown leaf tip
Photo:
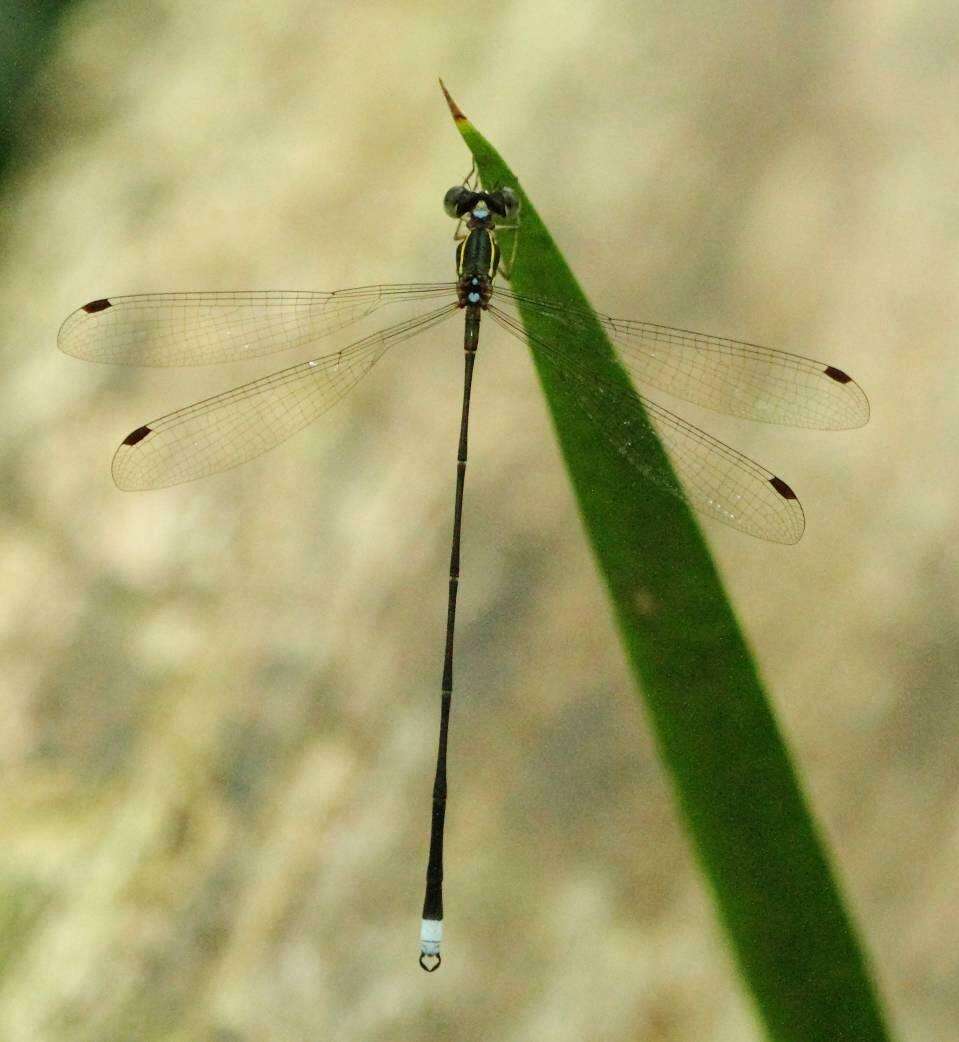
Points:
(454, 108)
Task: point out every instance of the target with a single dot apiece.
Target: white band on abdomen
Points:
(431, 934)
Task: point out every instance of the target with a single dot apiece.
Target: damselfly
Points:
(729, 376)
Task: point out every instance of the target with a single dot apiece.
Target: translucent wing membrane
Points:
(167, 329)
(713, 478)
(728, 376)
(235, 426)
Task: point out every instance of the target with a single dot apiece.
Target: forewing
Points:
(168, 329)
(728, 376)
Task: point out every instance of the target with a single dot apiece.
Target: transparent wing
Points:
(166, 329)
(711, 477)
(728, 376)
(233, 427)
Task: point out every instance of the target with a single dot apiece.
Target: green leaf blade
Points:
(754, 836)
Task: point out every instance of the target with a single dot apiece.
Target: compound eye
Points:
(454, 200)
(504, 202)
(510, 202)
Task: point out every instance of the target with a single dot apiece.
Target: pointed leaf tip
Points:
(454, 108)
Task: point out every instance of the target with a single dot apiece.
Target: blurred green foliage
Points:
(28, 33)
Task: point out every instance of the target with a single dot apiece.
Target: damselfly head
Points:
(481, 206)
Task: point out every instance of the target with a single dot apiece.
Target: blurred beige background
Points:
(220, 701)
